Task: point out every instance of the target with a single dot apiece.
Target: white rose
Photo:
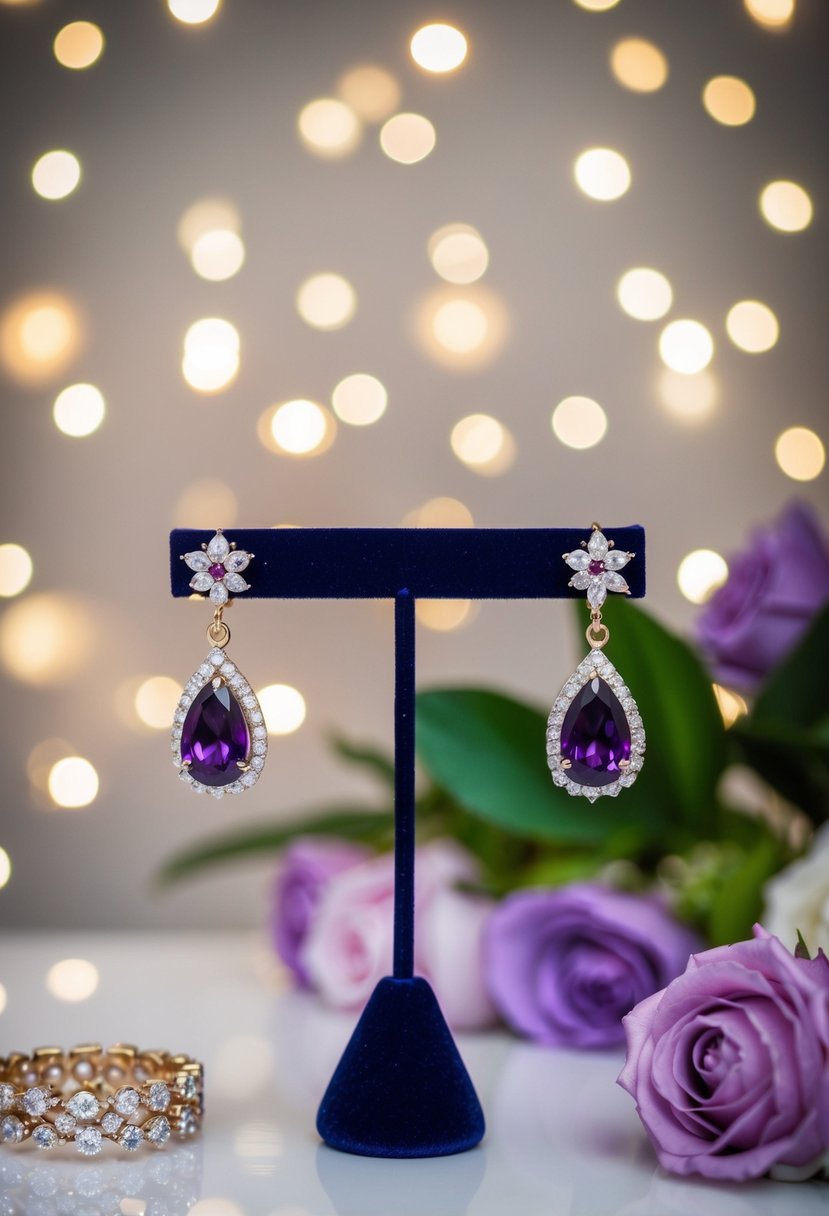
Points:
(798, 898)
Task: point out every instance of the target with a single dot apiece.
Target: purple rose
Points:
(564, 966)
(772, 593)
(307, 866)
(729, 1066)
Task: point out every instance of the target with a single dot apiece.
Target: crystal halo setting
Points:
(595, 735)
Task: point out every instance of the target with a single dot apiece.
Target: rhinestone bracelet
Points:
(88, 1095)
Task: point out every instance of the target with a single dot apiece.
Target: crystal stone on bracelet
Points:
(127, 1100)
(159, 1096)
(11, 1130)
(88, 1141)
(111, 1122)
(83, 1105)
(65, 1124)
(6, 1096)
(157, 1130)
(36, 1101)
(131, 1137)
(45, 1136)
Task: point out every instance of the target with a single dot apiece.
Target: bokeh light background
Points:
(313, 264)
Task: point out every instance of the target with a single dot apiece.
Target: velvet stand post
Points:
(401, 1088)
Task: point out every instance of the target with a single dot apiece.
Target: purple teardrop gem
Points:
(595, 735)
(215, 736)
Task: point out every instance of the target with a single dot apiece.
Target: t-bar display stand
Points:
(401, 1088)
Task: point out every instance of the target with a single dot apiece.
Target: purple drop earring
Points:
(219, 736)
(595, 736)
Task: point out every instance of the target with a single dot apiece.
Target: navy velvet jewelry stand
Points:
(401, 1088)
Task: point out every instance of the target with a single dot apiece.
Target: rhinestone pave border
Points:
(594, 664)
(217, 664)
(87, 1096)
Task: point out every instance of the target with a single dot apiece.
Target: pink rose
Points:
(349, 947)
(729, 1065)
(307, 866)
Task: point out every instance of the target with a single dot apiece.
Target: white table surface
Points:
(562, 1138)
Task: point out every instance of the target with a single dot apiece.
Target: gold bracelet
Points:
(88, 1095)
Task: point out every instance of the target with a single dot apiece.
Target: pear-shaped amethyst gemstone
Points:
(215, 736)
(595, 735)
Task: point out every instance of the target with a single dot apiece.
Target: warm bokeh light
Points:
(73, 782)
(438, 47)
(329, 128)
(56, 174)
(72, 979)
(211, 355)
(207, 498)
(283, 707)
(579, 422)
(462, 328)
(5, 868)
(407, 138)
(302, 428)
(359, 399)
(483, 444)
(644, 294)
(3, 999)
(440, 513)
(207, 215)
(156, 700)
(79, 410)
(729, 100)
(752, 326)
(15, 569)
(217, 254)
(800, 453)
(731, 705)
(326, 301)
(639, 65)
(445, 615)
(686, 346)
(772, 13)
(786, 206)
(193, 12)
(700, 573)
(596, 6)
(40, 335)
(371, 92)
(458, 253)
(78, 45)
(690, 398)
(602, 174)
(45, 638)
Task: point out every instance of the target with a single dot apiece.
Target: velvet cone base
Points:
(401, 1088)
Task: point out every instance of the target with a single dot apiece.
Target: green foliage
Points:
(350, 823)
(786, 735)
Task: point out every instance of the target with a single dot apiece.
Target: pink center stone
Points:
(594, 567)
(217, 570)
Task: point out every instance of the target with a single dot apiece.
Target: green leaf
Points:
(257, 840)
(738, 900)
(686, 749)
(796, 691)
(786, 735)
(487, 751)
(365, 756)
(789, 758)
